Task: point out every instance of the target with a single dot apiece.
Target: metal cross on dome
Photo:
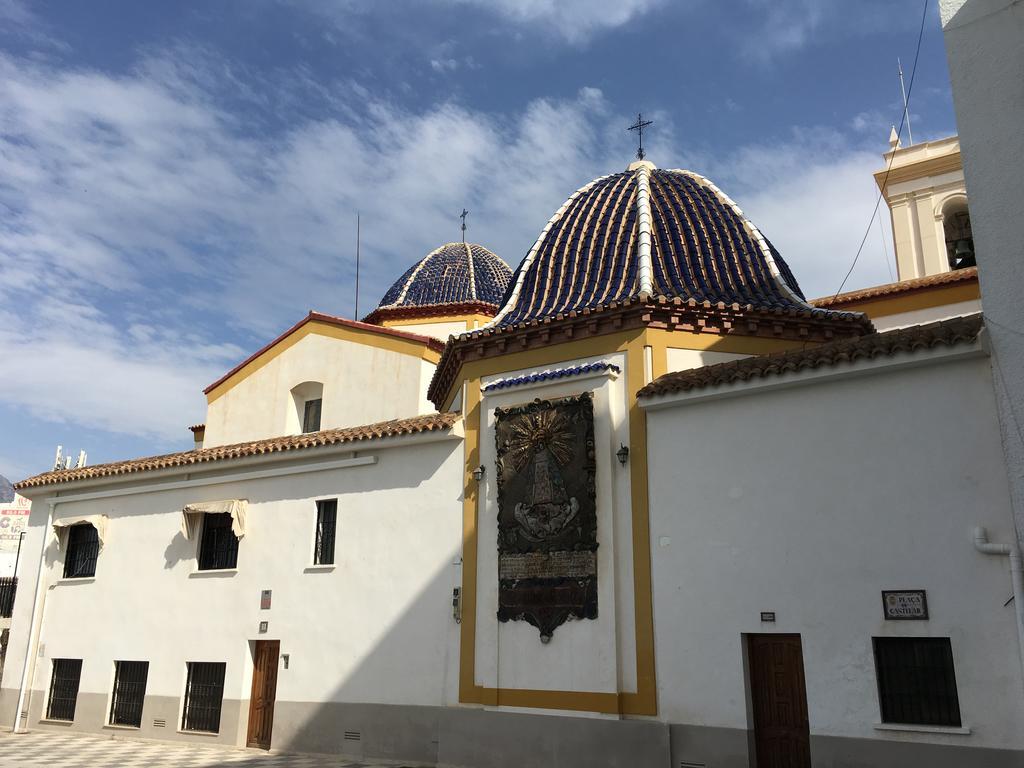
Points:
(639, 126)
(463, 216)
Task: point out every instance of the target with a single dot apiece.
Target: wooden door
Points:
(264, 692)
(779, 697)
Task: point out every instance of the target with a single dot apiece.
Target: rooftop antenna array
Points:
(62, 462)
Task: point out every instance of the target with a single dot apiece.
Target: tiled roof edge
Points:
(428, 311)
(949, 333)
(903, 286)
(394, 428)
(550, 375)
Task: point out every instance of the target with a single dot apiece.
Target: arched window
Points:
(956, 226)
(308, 399)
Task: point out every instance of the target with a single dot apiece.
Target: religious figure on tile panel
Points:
(547, 513)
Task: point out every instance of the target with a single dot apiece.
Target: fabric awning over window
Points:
(99, 522)
(192, 514)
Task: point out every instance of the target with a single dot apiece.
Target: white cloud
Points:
(143, 223)
(444, 65)
(812, 196)
(574, 20)
(144, 226)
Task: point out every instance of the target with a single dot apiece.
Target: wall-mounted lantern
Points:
(623, 454)
(478, 473)
(457, 605)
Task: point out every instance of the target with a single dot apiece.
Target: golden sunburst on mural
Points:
(533, 432)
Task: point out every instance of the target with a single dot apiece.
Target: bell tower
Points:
(923, 185)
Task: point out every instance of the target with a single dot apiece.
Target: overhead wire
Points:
(892, 156)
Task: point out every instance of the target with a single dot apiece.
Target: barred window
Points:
(326, 523)
(311, 415)
(916, 682)
(204, 692)
(67, 673)
(129, 692)
(82, 550)
(218, 547)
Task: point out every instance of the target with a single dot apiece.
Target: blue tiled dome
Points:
(453, 277)
(648, 231)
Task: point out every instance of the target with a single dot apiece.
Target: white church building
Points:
(637, 503)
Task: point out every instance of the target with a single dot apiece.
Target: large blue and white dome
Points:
(456, 277)
(654, 232)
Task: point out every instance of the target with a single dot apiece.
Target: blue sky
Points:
(179, 181)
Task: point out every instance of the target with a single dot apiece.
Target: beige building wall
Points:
(361, 384)
(922, 186)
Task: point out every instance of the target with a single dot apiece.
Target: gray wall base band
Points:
(477, 738)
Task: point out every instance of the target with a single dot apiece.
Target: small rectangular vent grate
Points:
(352, 735)
(159, 723)
(687, 764)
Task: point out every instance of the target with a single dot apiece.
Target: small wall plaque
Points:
(265, 600)
(905, 605)
(768, 616)
(264, 626)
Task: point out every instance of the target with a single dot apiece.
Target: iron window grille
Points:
(326, 524)
(8, 589)
(311, 415)
(82, 550)
(67, 673)
(218, 547)
(129, 692)
(204, 692)
(916, 682)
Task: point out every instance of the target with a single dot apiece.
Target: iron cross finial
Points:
(639, 126)
(463, 216)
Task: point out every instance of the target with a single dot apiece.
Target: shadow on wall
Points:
(177, 550)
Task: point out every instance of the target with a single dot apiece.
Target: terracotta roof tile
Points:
(949, 333)
(430, 423)
(903, 286)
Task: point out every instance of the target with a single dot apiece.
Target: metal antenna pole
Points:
(906, 110)
(17, 557)
(356, 313)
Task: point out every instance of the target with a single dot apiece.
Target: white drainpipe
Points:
(28, 671)
(982, 544)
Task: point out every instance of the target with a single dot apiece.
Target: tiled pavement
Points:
(58, 750)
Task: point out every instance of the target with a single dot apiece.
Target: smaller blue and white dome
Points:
(455, 278)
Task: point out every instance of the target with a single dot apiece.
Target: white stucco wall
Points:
(377, 628)
(986, 58)
(362, 384)
(808, 501)
(684, 359)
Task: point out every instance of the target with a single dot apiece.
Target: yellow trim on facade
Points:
(367, 338)
(919, 169)
(644, 701)
(473, 320)
(941, 295)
